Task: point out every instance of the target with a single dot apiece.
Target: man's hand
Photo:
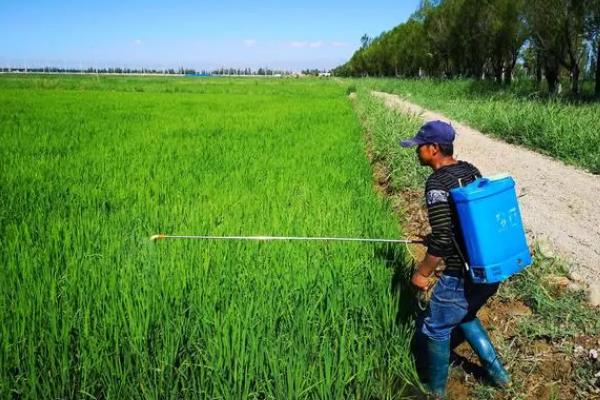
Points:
(424, 238)
(425, 269)
(420, 281)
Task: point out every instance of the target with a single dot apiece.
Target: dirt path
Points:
(561, 202)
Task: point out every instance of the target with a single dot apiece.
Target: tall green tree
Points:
(479, 38)
(558, 30)
(593, 33)
(439, 24)
(508, 33)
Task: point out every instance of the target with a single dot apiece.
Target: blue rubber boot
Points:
(479, 340)
(438, 359)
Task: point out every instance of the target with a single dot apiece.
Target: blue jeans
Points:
(454, 300)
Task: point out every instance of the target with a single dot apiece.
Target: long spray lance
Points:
(421, 296)
(297, 238)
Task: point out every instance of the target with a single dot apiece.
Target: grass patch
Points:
(559, 127)
(558, 312)
(385, 131)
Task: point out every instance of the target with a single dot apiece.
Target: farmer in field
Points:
(455, 300)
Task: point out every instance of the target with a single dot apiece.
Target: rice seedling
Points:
(89, 307)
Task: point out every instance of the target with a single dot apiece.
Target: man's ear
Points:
(435, 149)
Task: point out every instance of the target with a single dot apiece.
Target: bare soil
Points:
(560, 202)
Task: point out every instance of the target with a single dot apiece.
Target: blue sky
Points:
(289, 35)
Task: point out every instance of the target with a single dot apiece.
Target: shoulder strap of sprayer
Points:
(454, 241)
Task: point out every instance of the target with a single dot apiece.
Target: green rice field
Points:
(91, 167)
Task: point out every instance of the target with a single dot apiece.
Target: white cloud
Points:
(305, 44)
(249, 42)
(137, 42)
(298, 45)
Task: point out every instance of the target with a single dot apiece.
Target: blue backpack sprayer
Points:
(492, 229)
(490, 222)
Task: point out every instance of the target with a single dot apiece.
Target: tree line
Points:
(488, 39)
(102, 70)
(170, 71)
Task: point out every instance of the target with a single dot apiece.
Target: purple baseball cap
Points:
(432, 132)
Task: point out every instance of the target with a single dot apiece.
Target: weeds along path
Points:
(560, 206)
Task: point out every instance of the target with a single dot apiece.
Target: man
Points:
(455, 299)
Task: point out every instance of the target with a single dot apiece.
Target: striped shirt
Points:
(442, 213)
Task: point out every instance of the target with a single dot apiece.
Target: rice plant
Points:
(90, 308)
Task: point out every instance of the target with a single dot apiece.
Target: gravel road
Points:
(561, 206)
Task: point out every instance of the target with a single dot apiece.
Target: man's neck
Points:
(443, 162)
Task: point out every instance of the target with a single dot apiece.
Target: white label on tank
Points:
(502, 221)
(513, 216)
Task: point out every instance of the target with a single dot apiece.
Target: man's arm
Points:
(439, 242)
